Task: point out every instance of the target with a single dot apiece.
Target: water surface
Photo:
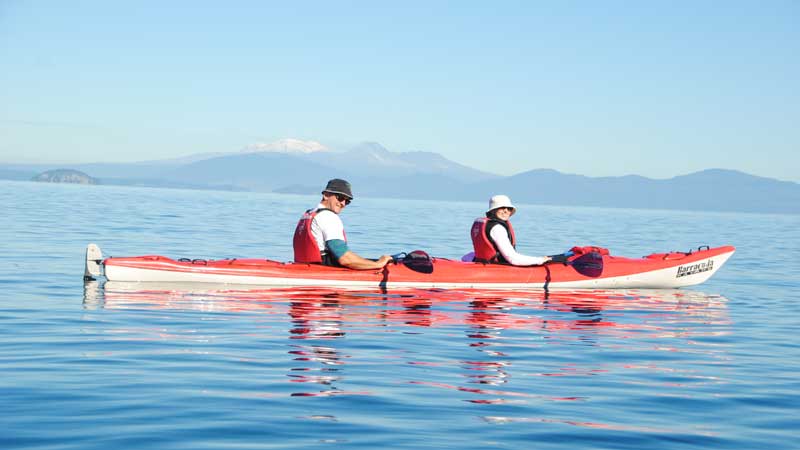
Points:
(127, 365)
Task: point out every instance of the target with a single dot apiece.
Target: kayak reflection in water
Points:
(319, 237)
(493, 236)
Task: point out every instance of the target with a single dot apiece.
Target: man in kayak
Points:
(319, 236)
(493, 236)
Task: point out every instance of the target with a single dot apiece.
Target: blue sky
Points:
(656, 88)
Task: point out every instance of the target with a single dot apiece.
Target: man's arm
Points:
(353, 261)
(338, 248)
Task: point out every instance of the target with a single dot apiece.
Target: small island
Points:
(64, 176)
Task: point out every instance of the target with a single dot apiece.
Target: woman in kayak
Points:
(493, 236)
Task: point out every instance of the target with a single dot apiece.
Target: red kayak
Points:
(588, 268)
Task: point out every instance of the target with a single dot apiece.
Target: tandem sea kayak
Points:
(584, 270)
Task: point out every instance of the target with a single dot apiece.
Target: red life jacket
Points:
(305, 246)
(485, 248)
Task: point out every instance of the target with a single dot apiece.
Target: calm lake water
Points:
(206, 367)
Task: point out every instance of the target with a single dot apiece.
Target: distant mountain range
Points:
(302, 167)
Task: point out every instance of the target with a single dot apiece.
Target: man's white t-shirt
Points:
(326, 226)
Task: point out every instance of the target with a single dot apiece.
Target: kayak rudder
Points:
(94, 259)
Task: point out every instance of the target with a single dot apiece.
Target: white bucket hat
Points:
(500, 201)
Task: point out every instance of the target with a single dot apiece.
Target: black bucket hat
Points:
(339, 186)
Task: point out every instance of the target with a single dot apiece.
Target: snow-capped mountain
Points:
(288, 145)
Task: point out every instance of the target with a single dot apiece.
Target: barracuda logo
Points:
(684, 271)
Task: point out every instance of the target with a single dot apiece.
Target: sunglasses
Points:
(343, 198)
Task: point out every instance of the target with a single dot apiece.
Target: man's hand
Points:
(383, 260)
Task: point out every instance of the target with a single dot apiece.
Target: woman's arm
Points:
(500, 238)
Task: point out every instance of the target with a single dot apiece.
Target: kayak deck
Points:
(664, 270)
